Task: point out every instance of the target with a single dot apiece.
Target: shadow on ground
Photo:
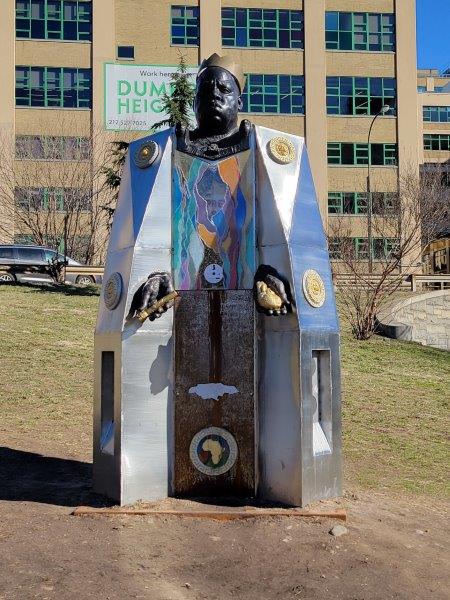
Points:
(30, 477)
(61, 288)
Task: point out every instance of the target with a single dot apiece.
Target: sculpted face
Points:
(217, 102)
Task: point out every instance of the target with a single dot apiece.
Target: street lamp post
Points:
(384, 110)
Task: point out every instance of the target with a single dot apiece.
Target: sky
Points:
(433, 34)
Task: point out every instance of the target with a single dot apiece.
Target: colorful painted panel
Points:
(213, 222)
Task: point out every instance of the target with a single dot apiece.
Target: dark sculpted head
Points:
(217, 101)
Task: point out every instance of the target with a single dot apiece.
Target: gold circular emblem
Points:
(313, 288)
(281, 150)
(146, 154)
(113, 291)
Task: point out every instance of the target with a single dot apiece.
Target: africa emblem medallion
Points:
(113, 291)
(313, 288)
(213, 451)
(281, 150)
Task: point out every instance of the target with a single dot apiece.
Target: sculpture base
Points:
(215, 394)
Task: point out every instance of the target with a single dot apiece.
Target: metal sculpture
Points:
(236, 391)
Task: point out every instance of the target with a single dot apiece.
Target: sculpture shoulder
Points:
(147, 151)
(160, 137)
(278, 147)
(267, 134)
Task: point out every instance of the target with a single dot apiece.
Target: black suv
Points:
(29, 263)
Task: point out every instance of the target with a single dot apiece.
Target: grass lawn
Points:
(395, 394)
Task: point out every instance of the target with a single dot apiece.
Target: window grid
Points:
(348, 203)
(53, 87)
(360, 95)
(373, 32)
(262, 28)
(351, 154)
(184, 25)
(31, 147)
(436, 114)
(54, 19)
(355, 203)
(436, 141)
(279, 94)
(382, 248)
(52, 198)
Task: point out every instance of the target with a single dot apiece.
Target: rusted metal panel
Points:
(214, 344)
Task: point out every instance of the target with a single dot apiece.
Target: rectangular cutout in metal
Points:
(107, 404)
(321, 397)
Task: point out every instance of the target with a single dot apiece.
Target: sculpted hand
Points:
(270, 292)
(154, 298)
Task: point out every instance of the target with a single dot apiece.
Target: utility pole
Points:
(384, 110)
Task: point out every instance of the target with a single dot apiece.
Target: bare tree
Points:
(53, 192)
(400, 225)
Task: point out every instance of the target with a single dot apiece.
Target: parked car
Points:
(34, 263)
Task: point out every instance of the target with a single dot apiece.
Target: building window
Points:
(358, 248)
(54, 19)
(355, 203)
(53, 199)
(55, 87)
(33, 147)
(436, 141)
(436, 114)
(185, 27)
(360, 31)
(440, 264)
(347, 203)
(361, 154)
(262, 28)
(360, 95)
(280, 94)
(125, 52)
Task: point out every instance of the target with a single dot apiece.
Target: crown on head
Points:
(227, 63)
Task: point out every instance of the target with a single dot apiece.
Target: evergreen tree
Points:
(179, 102)
(113, 174)
(176, 106)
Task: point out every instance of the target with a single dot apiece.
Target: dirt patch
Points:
(394, 548)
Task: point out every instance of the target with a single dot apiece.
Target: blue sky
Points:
(433, 34)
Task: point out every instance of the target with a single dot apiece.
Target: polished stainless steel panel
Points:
(321, 473)
(122, 234)
(146, 393)
(290, 470)
(277, 188)
(280, 417)
(141, 466)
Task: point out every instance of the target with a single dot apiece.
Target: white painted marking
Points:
(320, 442)
(212, 391)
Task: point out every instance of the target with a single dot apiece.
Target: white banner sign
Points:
(133, 95)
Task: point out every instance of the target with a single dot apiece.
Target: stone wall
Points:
(424, 319)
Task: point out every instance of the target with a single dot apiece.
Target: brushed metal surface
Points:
(290, 470)
(280, 459)
(321, 473)
(141, 467)
(276, 190)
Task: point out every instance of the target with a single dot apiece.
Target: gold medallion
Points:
(146, 154)
(313, 288)
(281, 150)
